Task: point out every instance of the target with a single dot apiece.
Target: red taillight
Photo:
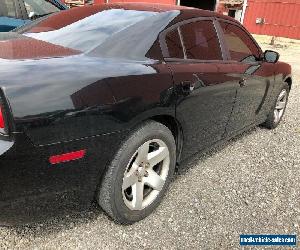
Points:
(2, 123)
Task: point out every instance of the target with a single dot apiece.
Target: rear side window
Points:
(241, 47)
(7, 8)
(174, 44)
(196, 40)
(201, 41)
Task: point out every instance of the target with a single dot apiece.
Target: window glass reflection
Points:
(93, 30)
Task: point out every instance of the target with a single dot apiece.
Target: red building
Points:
(273, 17)
(266, 17)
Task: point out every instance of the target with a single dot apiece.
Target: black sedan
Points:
(106, 101)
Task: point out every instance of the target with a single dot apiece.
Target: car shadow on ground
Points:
(44, 218)
(194, 160)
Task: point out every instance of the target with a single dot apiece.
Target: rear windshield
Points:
(86, 33)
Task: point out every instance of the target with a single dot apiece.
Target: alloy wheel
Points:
(146, 174)
(280, 105)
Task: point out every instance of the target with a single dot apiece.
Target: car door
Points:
(255, 77)
(204, 87)
(11, 15)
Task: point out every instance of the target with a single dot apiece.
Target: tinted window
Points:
(7, 8)
(38, 8)
(241, 46)
(174, 44)
(201, 41)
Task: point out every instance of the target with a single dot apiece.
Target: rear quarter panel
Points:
(62, 99)
(76, 103)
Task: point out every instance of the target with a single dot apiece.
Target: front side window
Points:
(7, 8)
(39, 8)
(241, 47)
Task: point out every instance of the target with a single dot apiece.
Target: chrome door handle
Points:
(187, 87)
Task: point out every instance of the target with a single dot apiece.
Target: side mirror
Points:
(271, 56)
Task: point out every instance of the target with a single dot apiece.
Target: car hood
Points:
(16, 46)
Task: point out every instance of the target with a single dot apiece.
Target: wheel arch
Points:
(170, 122)
(289, 81)
(175, 127)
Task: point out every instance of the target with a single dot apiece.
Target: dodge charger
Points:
(107, 101)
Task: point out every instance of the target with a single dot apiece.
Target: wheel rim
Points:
(280, 106)
(146, 174)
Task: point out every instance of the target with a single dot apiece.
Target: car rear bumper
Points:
(28, 177)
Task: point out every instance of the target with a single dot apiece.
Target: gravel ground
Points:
(248, 185)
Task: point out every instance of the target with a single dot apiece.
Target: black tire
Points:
(110, 194)
(271, 122)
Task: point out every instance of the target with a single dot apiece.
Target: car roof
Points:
(155, 7)
(67, 17)
(187, 12)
